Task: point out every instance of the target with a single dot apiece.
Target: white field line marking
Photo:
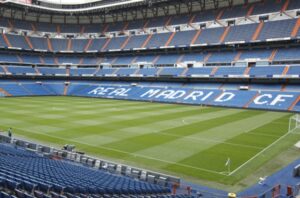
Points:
(258, 154)
(128, 153)
(195, 139)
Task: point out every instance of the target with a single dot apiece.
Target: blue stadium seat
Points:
(21, 70)
(199, 71)
(266, 71)
(61, 177)
(277, 29)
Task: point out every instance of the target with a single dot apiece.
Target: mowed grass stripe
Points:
(91, 104)
(263, 141)
(69, 125)
(127, 110)
(149, 140)
(114, 110)
(129, 132)
(62, 100)
(221, 152)
(226, 130)
(136, 119)
(188, 145)
(26, 116)
(67, 107)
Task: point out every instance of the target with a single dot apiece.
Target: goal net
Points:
(294, 124)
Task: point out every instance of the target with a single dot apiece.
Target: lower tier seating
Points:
(27, 174)
(256, 96)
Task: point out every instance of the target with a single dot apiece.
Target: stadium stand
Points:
(269, 97)
(237, 56)
(57, 177)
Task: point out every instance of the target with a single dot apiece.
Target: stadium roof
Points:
(75, 7)
(68, 2)
(102, 11)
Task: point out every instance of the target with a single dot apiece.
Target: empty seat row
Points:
(213, 71)
(44, 174)
(247, 32)
(222, 57)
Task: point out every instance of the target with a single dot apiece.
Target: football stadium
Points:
(149, 98)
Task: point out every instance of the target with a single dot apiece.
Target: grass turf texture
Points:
(188, 141)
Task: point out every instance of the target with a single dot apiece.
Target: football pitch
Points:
(188, 141)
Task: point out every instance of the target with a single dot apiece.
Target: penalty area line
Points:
(258, 154)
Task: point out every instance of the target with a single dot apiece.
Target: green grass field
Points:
(192, 142)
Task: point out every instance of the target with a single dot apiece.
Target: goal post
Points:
(294, 124)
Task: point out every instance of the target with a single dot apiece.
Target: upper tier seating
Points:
(210, 36)
(234, 12)
(17, 41)
(69, 28)
(115, 43)
(158, 40)
(59, 44)
(39, 43)
(183, 38)
(78, 45)
(208, 15)
(46, 27)
(97, 44)
(156, 22)
(218, 35)
(135, 24)
(93, 28)
(113, 27)
(241, 33)
(277, 29)
(268, 6)
(293, 4)
(136, 41)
